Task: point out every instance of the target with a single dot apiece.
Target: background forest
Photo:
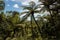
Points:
(46, 27)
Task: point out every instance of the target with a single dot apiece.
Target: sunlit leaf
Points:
(25, 17)
(26, 7)
(36, 11)
(24, 13)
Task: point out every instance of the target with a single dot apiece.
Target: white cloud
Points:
(25, 2)
(16, 6)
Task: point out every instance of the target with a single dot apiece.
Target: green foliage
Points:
(11, 28)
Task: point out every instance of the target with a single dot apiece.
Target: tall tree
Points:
(53, 7)
(32, 9)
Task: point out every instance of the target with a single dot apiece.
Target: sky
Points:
(15, 5)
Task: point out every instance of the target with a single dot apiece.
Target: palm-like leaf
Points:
(25, 17)
(43, 9)
(37, 6)
(32, 9)
(24, 13)
(26, 7)
(47, 2)
(36, 11)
